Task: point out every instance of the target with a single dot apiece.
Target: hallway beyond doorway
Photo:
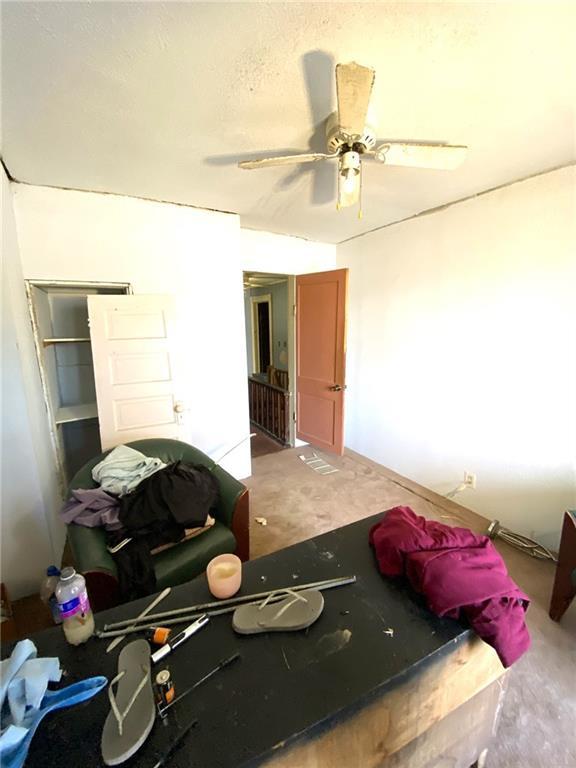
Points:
(261, 444)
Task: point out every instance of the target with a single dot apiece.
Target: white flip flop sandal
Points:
(298, 611)
(132, 708)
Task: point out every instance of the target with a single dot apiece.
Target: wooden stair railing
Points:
(269, 409)
(277, 377)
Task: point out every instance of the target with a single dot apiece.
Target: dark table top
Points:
(286, 686)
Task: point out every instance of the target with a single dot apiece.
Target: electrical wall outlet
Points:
(470, 479)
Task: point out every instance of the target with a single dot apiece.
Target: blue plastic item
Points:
(15, 755)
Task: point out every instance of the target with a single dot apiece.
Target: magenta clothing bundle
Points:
(460, 574)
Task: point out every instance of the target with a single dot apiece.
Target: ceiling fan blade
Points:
(353, 88)
(266, 162)
(440, 156)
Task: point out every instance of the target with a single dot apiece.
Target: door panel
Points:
(133, 346)
(318, 308)
(320, 358)
(131, 368)
(135, 325)
(317, 414)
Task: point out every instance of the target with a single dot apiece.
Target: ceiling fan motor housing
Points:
(336, 139)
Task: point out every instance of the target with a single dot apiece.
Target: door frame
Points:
(292, 360)
(88, 285)
(264, 298)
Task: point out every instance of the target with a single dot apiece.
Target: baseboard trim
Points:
(471, 519)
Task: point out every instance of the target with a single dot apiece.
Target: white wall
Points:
(159, 248)
(462, 350)
(284, 255)
(31, 536)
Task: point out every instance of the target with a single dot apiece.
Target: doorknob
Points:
(179, 409)
(337, 388)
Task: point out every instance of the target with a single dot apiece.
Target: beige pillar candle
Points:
(224, 574)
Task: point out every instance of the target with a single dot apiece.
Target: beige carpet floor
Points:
(538, 722)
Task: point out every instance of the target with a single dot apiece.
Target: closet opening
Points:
(59, 314)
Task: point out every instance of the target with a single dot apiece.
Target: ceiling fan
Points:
(350, 139)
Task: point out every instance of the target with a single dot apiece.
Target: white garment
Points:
(121, 471)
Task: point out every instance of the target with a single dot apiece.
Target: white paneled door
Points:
(134, 347)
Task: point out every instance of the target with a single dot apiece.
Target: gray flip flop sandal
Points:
(298, 611)
(133, 711)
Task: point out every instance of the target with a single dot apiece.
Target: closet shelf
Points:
(76, 413)
(72, 340)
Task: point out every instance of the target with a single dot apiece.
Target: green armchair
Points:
(180, 563)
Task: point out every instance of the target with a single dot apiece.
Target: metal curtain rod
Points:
(232, 601)
(182, 619)
(121, 633)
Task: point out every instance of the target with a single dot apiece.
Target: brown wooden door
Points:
(320, 358)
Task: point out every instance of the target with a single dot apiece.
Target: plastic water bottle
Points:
(47, 592)
(74, 607)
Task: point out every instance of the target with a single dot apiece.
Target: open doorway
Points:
(298, 324)
(269, 343)
(262, 343)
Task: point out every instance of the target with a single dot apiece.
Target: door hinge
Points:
(294, 309)
(294, 416)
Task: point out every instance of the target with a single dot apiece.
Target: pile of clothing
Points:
(144, 505)
(460, 573)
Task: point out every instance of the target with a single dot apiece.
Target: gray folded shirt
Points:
(121, 471)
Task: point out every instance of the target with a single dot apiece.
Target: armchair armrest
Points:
(230, 490)
(96, 564)
(233, 509)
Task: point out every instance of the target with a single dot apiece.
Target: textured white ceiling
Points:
(159, 100)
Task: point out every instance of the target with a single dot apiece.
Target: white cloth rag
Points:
(121, 471)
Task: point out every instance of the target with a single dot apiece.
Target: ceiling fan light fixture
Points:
(349, 179)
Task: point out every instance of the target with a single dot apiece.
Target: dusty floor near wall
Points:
(262, 444)
(537, 725)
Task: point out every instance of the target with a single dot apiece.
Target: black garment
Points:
(181, 494)
(136, 577)
(134, 562)
(157, 512)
